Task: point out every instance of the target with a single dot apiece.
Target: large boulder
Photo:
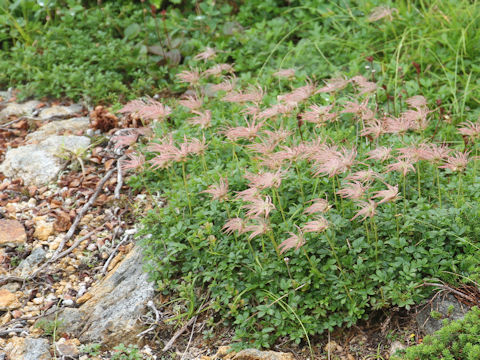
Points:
(111, 314)
(38, 164)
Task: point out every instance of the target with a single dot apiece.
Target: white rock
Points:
(38, 164)
(18, 110)
(68, 302)
(57, 110)
(38, 300)
(71, 125)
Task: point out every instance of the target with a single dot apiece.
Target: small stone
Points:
(5, 318)
(68, 302)
(84, 298)
(11, 208)
(59, 111)
(92, 247)
(43, 230)
(12, 232)
(38, 300)
(32, 203)
(115, 261)
(332, 346)
(254, 354)
(66, 348)
(8, 300)
(16, 314)
(396, 345)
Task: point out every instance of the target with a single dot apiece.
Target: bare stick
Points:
(178, 333)
(82, 212)
(119, 179)
(448, 288)
(105, 266)
(189, 340)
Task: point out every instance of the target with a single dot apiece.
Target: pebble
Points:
(38, 300)
(68, 302)
(92, 247)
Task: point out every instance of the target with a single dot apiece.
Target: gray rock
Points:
(31, 261)
(38, 164)
(55, 127)
(19, 348)
(59, 111)
(15, 109)
(443, 307)
(396, 346)
(111, 314)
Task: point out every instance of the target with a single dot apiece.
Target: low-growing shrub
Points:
(295, 211)
(457, 340)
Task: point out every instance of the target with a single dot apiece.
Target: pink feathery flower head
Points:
(191, 102)
(218, 191)
(154, 110)
(273, 161)
(227, 85)
(374, 128)
(134, 161)
(265, 180)
(206, 54)
(331, 163)
(235, 224)
(355, 190)
(293, 153)
(195, 146)
(457, 162)
(243, 132)
(285, 73)
(417, 102)
(470, 129)
(333, 85)
(320, 224)
(251, 110)
(265, 147)
(364, 176)
(191, 77)
(217, 70)
(203, 119)
(318, 114)
(364, 86)
(367, 209)
(417, 118)
(254, 96)
(248, 195)
(318, 206)
(402, 166)
(278, 109)
(412, 153)
(293, 242)
(433, 152)
(278, 135)
(391, 194)
(382, 12)
(298, 95)
(381, 153)
(259, 207)
(125, 140)
(398, 125)
(132, 106)
(259, 228)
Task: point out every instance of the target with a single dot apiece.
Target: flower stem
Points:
(438, 187)
(274, 242)
(277, 198)
(334, 253)
(186, 187)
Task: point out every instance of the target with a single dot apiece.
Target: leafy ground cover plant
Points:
(300, 206)
(426, 48)
(456, 340)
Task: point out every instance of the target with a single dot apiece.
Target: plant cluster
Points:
(457, 340)
(299, 207)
